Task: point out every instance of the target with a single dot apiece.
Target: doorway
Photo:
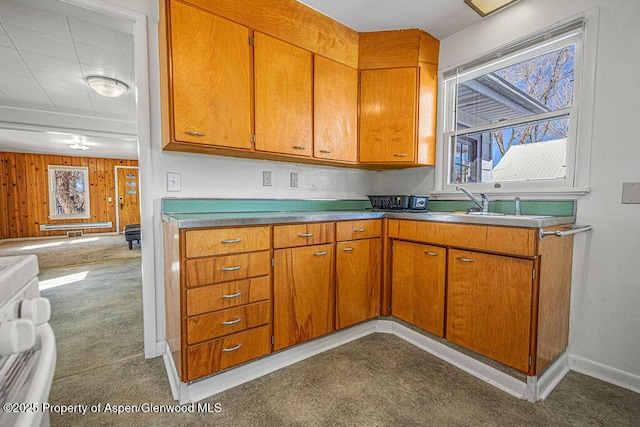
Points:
(127, 197)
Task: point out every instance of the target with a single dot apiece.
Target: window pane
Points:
(533, 151)
(538, 85)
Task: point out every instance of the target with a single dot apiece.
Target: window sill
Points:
(524, 194)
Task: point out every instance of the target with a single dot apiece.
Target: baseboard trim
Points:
(202, 389)
(534, 389)
(461, 361)
(605, 373)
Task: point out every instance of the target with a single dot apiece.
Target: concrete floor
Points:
(379, 380)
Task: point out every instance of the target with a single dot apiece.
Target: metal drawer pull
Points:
(234, 268)
(432, 253)
(347, 249)
(359, 230)
(237, 294)
(466, 259)
(320, 253)
(298, 147)
(232, 241)
(325, 151)
(400, 155)
(560, 233)
(193, 133)
(226, 350)
(232, 322)
(305, 234)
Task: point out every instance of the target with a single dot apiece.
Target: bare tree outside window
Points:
(68, 192)
(523, 103)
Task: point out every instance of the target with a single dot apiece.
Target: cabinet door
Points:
(489, 302)
(388, 103)
(357, 281)
(283, 97)
(211, 89)
(335, 110)
(418, 285)
(302, 294)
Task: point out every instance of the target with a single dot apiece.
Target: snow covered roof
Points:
(539, 160)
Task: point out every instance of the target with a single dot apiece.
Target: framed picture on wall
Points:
(68, 192)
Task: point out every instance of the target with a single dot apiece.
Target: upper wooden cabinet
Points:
(275, 80)
(210, 87)
(335, 103)
(283, 96)
(398, 98)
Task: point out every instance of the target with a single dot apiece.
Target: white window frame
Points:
(52, 193)
(580, 114)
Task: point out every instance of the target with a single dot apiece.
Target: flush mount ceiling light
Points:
(485, 7)
(78, 146)
(106, 86)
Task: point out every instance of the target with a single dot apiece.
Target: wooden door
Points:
(489, 302)
(128, 197)
(283, 97)
(335, 111)
(388, 103)
(211, 74)
(418, 285)
(357, 281)
(302, 294)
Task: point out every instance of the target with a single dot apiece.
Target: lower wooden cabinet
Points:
(489, 305)
(418, 285)
(358, 269)
(303, 294)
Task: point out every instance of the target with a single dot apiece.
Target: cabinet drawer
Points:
(226, 295)
(213, 356)
(354, 230)
(221, 241)
(205, 271)
(225, 322)
(507, 240)
(289, 236)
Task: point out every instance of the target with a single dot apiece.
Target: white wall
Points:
(605, 310)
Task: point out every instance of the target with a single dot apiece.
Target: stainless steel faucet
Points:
(482, 204)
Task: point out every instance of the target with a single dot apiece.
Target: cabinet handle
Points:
(305, 234)
(237, 267)
(232, 241)
(225, 350)
(432, 253)
(325, 151)
(347, 249)
(320, 253)
(232, 322)
(466, 259)
(237, 294)
(400, 155)
(359, 230)
(298, 147)
(193, 133)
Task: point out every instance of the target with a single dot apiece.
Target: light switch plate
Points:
(631, 192)
(173, 181)
(293, 181)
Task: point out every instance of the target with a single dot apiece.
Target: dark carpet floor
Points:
(379, 380)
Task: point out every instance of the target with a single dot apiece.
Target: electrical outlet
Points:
(173, 181)
(266, 178)
(293, 182)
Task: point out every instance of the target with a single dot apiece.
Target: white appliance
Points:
(27, 344)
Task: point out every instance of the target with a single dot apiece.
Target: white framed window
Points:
(69, 192)
(510, 119)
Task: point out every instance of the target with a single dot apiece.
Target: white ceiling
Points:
(48, 48)
(440, 18)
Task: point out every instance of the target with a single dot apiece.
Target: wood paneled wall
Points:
(24, 201)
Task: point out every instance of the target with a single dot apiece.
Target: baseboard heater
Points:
(75, 226)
